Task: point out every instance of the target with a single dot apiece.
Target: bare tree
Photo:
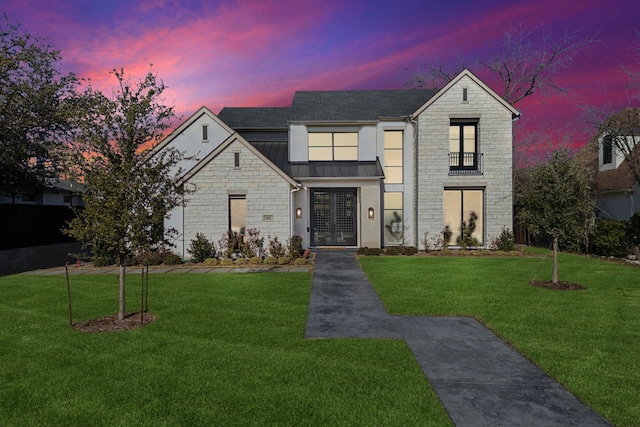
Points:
(526, 62)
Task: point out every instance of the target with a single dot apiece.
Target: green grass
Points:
(228, 349)
(588, 340)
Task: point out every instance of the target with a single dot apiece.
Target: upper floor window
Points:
(607, 150)
(205, 133)
(333, 146)
(463, 147)
(393, 157)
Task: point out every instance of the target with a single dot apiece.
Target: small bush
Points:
(294, 247)
(270, 260)
(211, 261)
(226, 261)
(506, 242)
(633, 229)
(608, 238)
(393, 250)
(284, 260)
(301, 261)
(255, 260)
(170, 258)
(149, 258)
(201, 248)
(410, 250)
(276, 248)
(241, 261)
(254, 244)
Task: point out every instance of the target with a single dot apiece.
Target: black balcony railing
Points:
(465, 163)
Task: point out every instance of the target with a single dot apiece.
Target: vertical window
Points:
(458, 208)
(326, 146)
(393, 157)
(463, 145)
(393, 219)
(465, 94)
(238, 214)
(236, 160)
(607, 150)
(205, 133)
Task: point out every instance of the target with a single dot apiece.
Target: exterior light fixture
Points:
(298, 213)
(371, 214)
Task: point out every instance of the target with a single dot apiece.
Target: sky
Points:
(257, 53)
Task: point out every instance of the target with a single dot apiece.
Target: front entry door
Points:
(333, 217)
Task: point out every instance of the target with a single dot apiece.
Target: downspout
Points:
(292, 213)
(415, 181)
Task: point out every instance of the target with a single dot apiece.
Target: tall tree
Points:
(557, 199)
(525, 63)
(130, 188)
(36, 107)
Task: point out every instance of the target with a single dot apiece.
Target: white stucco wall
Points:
(494, 141)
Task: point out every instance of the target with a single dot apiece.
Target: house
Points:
(60, 192)
(350, 168)
(618, 190)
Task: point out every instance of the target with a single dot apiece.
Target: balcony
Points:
(465, 163)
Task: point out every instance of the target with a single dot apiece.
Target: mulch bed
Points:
(112, 324)
(560, 286)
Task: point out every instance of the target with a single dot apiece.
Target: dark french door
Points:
(333, 217)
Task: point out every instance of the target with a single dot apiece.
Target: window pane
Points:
(320, 153)
(319, 140)
(473, 203)
(393, 218)
(238, 214)
(393, 139)
(393, 175)
(454, 139)
(469, 139)
(393, 157)
(452, 213)
(345, 139)
(345, 153)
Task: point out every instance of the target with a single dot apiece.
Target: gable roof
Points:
(235, 137)
(241, 118)
(466, 73)
(194, 117)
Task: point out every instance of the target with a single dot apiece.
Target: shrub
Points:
(434, 243)
(255, 260)
(393, 250)
(633, 229)
(284, 260)
(465, 239)
(270, 260)
(301, 261)
(201, 249)
(410, 250)
(241, 261)
(149, 258)
(294, 247)
(505, 242)
(169, 258)
(276, 248)
(254, 244)
(446, 236)
(211, 261)
(226, 261)
(608, 238)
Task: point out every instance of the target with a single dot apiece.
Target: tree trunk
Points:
(121, 291)
(555, 259)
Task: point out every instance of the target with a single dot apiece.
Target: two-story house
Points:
(351, 168)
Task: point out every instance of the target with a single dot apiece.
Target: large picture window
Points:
(393, 157)
(394, 228)
(458, 208)
(238, 214)
(463, 144)
(327, 146)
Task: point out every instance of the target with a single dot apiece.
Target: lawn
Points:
(589, 340)
(227, 349)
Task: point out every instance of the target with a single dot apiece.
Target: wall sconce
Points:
(298, 213)
(371, 214)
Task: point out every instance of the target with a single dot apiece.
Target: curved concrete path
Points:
(480, 380)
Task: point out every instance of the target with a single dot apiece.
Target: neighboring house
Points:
(618, 192)
(57, 193)
(350, 168)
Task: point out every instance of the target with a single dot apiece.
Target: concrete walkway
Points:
(480, 380)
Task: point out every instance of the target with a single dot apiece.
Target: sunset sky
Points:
(258, 52)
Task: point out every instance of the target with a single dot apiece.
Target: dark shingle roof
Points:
(277, 152)
(255, 118)
(357, 104)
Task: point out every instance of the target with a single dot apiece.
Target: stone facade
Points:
(494, 142)
(267, 194)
